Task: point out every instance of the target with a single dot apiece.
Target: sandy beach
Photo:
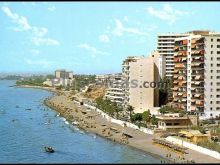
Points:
(91, 121)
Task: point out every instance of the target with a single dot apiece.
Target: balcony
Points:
(198, 96)
(198, 59)
(179, 66)
(197, 64)
(198, 78)
(198, 52)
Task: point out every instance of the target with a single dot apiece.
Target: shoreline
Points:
(80, 126)
(50, 89)
(92, 122)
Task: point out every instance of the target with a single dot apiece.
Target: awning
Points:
(184, 100)
(193, 101)
(193, 46)
(180, 53)
(197, 64)
(199, 102)
(175, 76)
(184, 58)
(192, 89)
(184, 53)
(175, 88)
(180, 94)
(197, 95)
(180, 78)
(197, 58)
(180, 83)
(193, 41)
(197, 77)
(185, 42)
(193, 108)
(197, 83)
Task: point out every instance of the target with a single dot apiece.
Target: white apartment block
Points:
(141, 69)
(115, 95)
(114, 91)
(197, 73)
(165, 47)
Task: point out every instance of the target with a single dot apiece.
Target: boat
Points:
(28, 109)
(48, 149)
(17, 106)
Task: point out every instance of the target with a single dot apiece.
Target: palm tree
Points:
(130, 109)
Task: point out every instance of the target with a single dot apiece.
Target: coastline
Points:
(38, 87)
(89, 128)
(91, 121)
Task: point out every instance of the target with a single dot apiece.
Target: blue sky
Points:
(91, 37)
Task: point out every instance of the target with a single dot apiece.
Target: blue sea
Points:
(23, 133)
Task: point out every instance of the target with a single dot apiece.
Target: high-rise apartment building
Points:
(165, 47)
(140, 69)
(197, 73)
(63, 74)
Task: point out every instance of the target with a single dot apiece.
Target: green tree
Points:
(146, 116)
(154, 120)
(130, 109)
(136, 117)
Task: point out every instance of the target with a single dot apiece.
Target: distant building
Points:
(63, 74)
(62, 78)
(109, 80)
(115, 95)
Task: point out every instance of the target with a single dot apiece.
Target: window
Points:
(211, 46)
(210, 102)
(218, 71)
(217, 96)
(211, 71)
(211, 58)
(217, 102)
(218, 46)
(211, 39)
(211, 52)
(211, 65)
(218, 77)
(211, 89)
(218, 40)
(211, 82)
(211, 96)
(218, 52)
(218, 58)
(218, 89)
(218, 65)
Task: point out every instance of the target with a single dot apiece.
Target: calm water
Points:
(23, 133)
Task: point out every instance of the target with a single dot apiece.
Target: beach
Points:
(92, 121)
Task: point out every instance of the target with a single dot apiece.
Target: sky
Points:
(91, 37)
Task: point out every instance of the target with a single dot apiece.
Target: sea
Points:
(27, 125)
